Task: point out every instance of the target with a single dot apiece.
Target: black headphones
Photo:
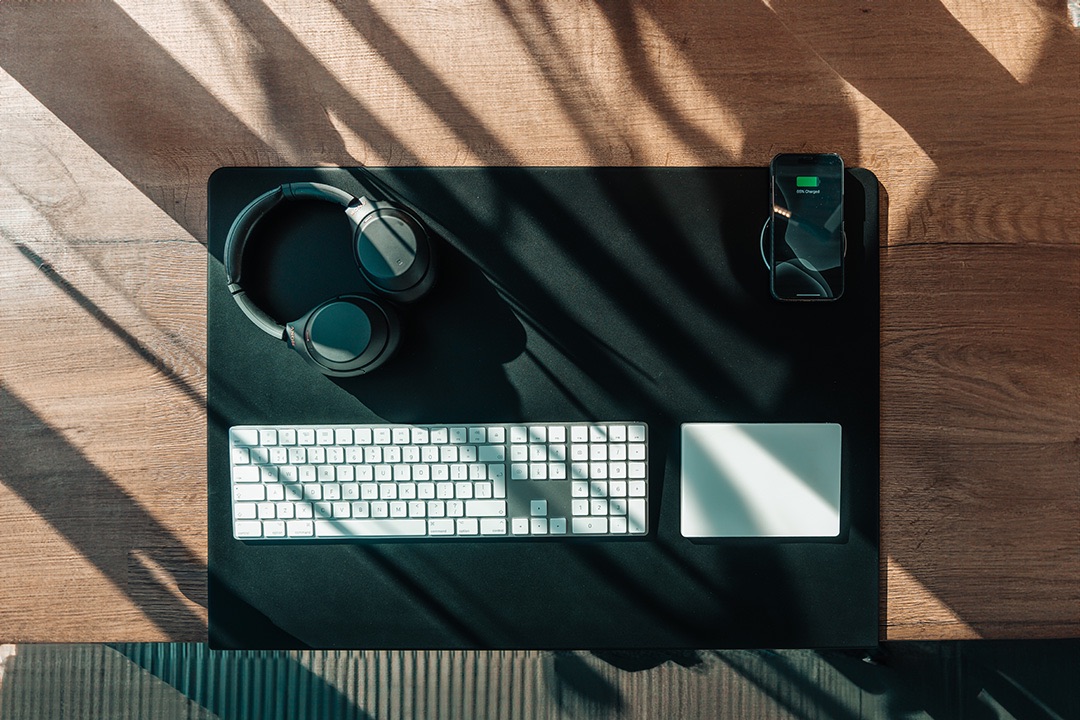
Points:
(350, 334)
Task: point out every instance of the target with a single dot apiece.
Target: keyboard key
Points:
(636, 519)
(492, 526)
(247, 528)
(538, 526)
(300, 528)
(441, 526)
(274, 528)
(244, 436)
(635, 433)
(370, 527)
(244, 511)
(243, 493)
(492, 453)
(246, 474)
(519, 526)
(485, 508)
(557, 526)
(589, 525)
(538, 508)
(468, 526)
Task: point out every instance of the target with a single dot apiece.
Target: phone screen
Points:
(807, 227)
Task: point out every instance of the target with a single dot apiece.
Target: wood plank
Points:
(980, 415)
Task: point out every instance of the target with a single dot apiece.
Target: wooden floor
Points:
(114, 114)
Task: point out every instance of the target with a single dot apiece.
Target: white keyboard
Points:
(370, 482)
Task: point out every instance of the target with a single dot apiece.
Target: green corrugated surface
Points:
(190, 682)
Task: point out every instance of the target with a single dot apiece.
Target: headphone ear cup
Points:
(347, 336)
(394, 252)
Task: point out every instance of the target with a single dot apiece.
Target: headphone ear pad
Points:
(394, 252)
(346, 336)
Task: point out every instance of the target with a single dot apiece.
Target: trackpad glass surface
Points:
(760, 480)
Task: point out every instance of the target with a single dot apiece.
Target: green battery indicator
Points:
(807, 181)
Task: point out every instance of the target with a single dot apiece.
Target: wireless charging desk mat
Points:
(565, 294)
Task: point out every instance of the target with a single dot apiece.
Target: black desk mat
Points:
(565, 294)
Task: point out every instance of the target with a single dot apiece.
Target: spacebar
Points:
(382, 527)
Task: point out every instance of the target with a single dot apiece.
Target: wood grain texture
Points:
(113, 115)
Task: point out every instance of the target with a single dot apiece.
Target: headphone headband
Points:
(245, 222)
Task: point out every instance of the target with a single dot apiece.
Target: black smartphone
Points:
(807, 226)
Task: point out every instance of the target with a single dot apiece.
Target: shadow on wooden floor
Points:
(981, 679)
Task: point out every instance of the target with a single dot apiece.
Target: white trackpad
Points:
(760, 480)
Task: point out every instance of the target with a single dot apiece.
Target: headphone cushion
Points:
(394, 253)
(346, 336)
